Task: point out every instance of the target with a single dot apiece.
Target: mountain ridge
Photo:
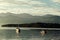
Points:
(27, 18)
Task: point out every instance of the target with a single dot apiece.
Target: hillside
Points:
(11, 18)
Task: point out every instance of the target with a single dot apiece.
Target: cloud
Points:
(1, 0)
(36, 2)
(27, 6)
(4, 4)
(45, 10)
(33, 11)
(57, 1)
(24, 2)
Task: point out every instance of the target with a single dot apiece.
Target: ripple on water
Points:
(7, 34)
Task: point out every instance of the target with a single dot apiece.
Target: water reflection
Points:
(7, 34)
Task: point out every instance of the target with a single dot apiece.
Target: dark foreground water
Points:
(10, 34)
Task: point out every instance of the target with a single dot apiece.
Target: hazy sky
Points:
(34, 7)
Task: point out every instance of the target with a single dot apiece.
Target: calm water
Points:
(9, 34)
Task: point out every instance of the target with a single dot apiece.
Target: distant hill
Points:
(11, 18)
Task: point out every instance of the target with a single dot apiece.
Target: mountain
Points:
(27, 18)
(15, 18)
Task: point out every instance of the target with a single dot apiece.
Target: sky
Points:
(33, 7)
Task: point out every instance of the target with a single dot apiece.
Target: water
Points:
(10, 34)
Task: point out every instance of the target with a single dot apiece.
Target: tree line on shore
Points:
(39, 25)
